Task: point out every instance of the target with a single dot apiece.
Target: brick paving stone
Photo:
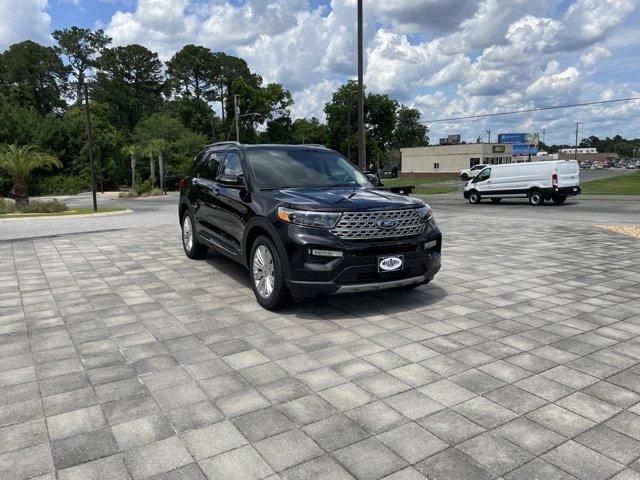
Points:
(241, 464)
(288, 449)
(583, 462)
(369, 460)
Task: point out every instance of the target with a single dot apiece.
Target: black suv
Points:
(305, 222)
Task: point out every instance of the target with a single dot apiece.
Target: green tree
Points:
(309, 131)
(191, 73)
(409, 132)
(19, 162)
(132, 151)
(195, 114)
(158, 147)
(342, 120)
(130, 81)
(34, 76)
(80, 46)
(226, 70)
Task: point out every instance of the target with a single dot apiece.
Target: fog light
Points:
(325, 253)
(430, 244)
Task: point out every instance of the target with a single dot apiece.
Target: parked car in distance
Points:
(471, 172)
(607, 164)
(389, 172)
(538, 181)
(305, 222)
(586, 164)
(631, 166)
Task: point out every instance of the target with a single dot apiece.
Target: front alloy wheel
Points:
(267, 274)
(474, 197)
(263, 272)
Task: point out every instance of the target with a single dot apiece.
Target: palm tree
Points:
(152, 161)
(19, 162)
(158, 146)
(131, 151)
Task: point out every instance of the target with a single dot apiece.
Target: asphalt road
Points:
(157, 212)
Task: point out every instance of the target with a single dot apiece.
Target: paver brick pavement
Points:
(122, 359)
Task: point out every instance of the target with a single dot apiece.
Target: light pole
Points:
(237, 112)
(575, 151)
(87, 114)
(362, 154)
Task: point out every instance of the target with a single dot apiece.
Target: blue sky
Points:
(444, 57)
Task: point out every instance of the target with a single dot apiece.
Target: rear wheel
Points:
(267, 275)
(559, 199)
(536, 198)
(474, 197)
(192, 248)
(496, 200)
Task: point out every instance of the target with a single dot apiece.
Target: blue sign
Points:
(513, 138)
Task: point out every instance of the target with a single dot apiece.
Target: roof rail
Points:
(311, 145)
(217, 144)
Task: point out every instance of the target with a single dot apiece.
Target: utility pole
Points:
(87, 115)
(544, 130)
(237, 110)
(362, 154)
(348, 132)
(489, 135)
(213, 128)
(575, 152)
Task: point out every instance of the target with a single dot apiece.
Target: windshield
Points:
(280, 168)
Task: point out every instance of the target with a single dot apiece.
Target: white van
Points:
(538, 181)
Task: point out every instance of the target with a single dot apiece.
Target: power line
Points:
(470, 117)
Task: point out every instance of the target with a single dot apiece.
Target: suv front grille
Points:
(364, 226)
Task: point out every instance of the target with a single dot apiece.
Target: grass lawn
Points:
(74, 211)
(434, 190)
(619, 185)
(402, 182)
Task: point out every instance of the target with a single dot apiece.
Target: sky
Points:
(447, 58)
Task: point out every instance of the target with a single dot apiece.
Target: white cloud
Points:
(23, 20)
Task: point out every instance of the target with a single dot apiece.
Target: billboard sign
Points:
(531, 139)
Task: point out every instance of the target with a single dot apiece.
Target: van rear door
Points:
(568, 173)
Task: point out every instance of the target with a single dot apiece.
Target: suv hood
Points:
(343, 198)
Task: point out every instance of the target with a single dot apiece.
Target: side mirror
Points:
(230, 180)
(373, 178)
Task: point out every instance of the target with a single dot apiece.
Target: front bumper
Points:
(357, 269)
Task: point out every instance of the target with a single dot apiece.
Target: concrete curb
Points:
(57, 217)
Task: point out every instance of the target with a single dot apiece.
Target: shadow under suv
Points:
(305, 222)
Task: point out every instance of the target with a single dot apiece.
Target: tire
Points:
(559, 199)
(464, 177)
(536, 198)
(270, 289)
(474, 197)
(496, 200)
(192, 247)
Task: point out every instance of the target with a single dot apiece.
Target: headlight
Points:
(309, 218)
(425, 213)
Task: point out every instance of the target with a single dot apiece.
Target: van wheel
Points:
(496, 200)
(536, 198)
(474, 197)
(192, 248)
(559, 199)
(267, 275)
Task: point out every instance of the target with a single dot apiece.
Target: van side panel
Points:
(568, 173)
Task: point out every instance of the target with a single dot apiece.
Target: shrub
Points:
(128, 194)
(154, 192)
(59, 185)
(51, 206)
(146, 186)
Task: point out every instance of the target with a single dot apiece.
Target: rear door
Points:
(206, 191)
(568, 173)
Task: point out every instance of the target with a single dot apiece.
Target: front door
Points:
(483, 181)
(230, 216)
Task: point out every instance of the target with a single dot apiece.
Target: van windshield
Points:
(281, 168)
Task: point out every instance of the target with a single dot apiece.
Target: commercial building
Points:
(589, 157)
(436, 159)
(579, 150)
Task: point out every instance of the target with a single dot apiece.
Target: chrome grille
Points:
(363, 225)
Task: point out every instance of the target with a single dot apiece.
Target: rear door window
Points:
(209, 166)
